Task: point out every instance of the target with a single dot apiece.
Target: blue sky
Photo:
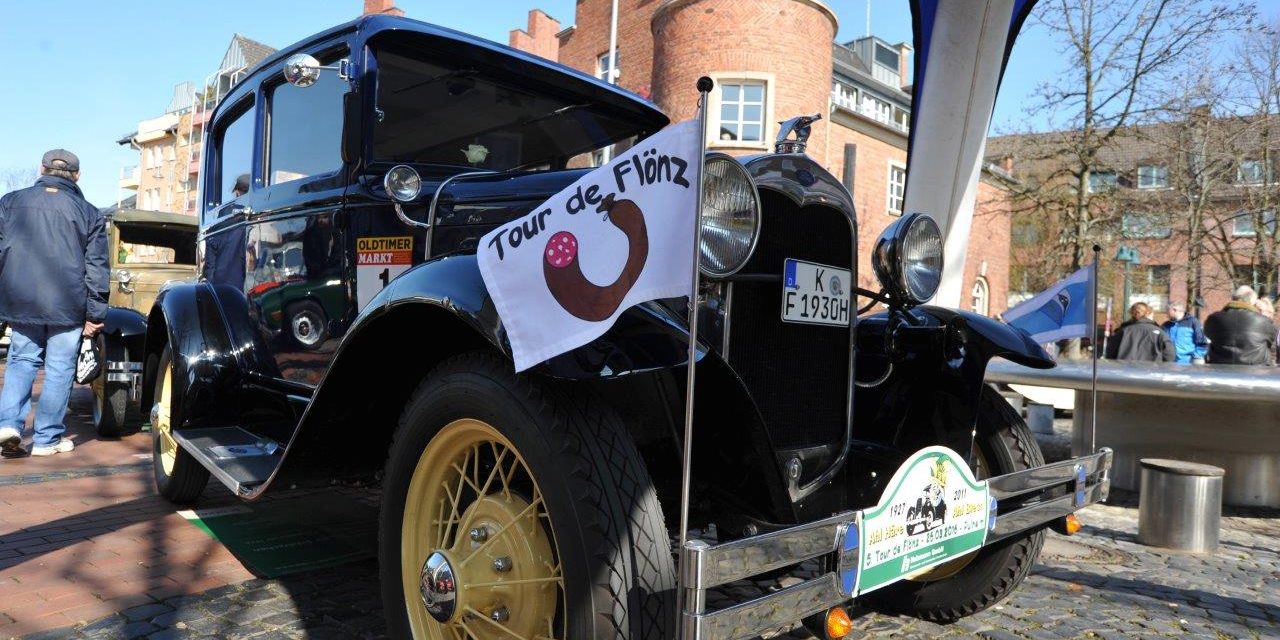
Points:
(81, 74)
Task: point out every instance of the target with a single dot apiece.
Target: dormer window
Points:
(885, 68)
(1152, 176)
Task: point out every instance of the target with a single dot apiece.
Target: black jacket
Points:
(53, 256)
(1239, 335)
(1141, 340)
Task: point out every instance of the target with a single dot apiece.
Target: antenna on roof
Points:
(868, 18)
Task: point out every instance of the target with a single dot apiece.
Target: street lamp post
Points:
(1129, 256)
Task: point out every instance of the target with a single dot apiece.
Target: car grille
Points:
(797, 374)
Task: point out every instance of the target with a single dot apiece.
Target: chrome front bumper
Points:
(707, 567)
(129, 373)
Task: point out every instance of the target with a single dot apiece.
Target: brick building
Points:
(1146, 187)
(764, 73)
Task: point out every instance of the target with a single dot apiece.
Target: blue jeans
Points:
(32, 345)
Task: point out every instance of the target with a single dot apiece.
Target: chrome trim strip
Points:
(779, 609)
(115, 365)
(1028, 480)
(1012, 523)
(711, 566)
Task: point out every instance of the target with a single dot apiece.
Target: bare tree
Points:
(1119, 52)
(14, 178)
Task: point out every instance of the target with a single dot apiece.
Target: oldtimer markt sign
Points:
(933, 510)
(622, 234)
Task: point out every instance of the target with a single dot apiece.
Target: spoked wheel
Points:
(307, 324)
(179, 478)
(515, 508)
(477, 515)
(111, 411)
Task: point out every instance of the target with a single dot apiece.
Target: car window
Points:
(144, 244)
(305, 128)
(235, 156)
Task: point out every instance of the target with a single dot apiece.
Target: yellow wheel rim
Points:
(952, 567)
(167, 447)
(475, 517)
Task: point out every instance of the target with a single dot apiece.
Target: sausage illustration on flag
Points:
(623, 234)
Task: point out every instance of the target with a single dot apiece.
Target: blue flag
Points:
(1059, 312)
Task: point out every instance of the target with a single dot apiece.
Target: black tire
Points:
(185, 483)
(112, 411)
(314, 333)
(608, 528)
(1007, 445)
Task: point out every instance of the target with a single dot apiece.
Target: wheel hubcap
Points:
(476, 542)
(304, 329)
(439, 588)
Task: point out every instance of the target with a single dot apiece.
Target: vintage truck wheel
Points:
(110, 407)
(307, 325)
(969, 584)
(518, 508)
(179, 478)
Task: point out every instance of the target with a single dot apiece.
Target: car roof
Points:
(369, 26)
(153, 217)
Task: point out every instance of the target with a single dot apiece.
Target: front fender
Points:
(124, 333)
(206, 328)
(921, 376)
(646, 337)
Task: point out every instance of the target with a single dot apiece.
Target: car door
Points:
(298, 298)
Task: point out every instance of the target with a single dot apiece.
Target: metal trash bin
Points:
(1180, 505)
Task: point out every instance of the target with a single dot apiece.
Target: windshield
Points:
(434, 113)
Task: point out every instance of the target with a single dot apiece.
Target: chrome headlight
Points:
(908, 258)
(402, 182)
(730, 216)
(123, 276)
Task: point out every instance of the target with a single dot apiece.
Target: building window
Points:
(602, 67)
(1252, 172)
(1151, 176)
(897, 188)
(1243, 223)
(1102, 181)
(981, 296)
(1151, 284)
(742, 111)
(1145, 224)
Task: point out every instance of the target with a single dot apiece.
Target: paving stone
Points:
(146, 611)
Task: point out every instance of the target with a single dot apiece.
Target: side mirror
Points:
(302, 70)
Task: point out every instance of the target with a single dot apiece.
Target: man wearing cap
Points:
(53, 289)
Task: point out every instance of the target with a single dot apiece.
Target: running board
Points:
(237, 458)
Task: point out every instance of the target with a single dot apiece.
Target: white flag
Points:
(619, 236)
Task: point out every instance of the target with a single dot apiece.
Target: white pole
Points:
(868, 18)
(611, 70)
(704, 88)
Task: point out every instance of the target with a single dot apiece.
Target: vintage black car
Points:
(544, 504)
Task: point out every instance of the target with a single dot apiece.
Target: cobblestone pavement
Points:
(115, 562)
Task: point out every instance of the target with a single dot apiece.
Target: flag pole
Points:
(704, 89)
(1093, 339)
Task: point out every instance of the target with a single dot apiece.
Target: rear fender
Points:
(925, 374)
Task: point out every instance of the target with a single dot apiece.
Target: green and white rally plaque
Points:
(932, 511)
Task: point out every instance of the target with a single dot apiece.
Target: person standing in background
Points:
(1238, 334)
(1140, 338)
(53, 290)
(1187, 335)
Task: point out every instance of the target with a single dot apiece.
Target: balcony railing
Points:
(130, 176)
(866, 109)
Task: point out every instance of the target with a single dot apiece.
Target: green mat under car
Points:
(291, 535)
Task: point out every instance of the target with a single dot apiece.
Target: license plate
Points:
(815, 293)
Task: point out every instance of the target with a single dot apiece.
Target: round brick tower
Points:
(782, 45)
